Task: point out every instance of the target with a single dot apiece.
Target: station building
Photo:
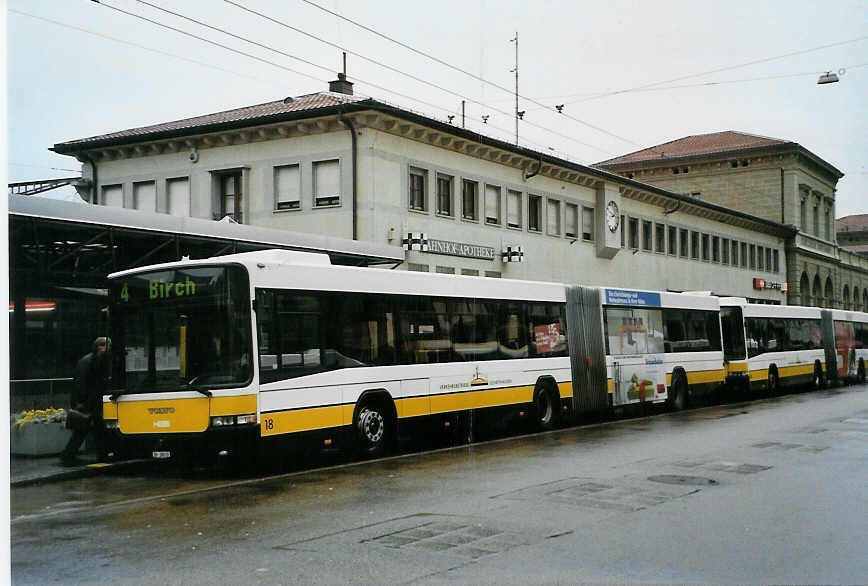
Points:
(775, 179)
(336, 164)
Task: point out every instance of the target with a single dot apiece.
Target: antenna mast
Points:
(515, 40)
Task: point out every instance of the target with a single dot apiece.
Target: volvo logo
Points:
(160, 410)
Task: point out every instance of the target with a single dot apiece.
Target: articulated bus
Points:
(767, 347)
(226, 354)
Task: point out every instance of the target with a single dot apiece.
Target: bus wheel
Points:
(546, 408)
(679, 389)
(373, 429)
(774, 384)
(818, 380)
(860, 374)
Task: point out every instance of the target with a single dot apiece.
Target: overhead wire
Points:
(138, 46)
(473, 75)
(288, 55)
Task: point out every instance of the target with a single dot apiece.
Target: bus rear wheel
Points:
(546, 408)
(678, 388)
(774, 384)
(819, 381)
(373, 429)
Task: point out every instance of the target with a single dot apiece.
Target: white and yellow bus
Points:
(661, 346)
(851, 344)
(767, 347)
(226, 353)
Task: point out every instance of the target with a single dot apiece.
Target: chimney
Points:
(341, 85)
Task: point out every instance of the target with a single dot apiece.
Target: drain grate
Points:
(470, 540)
(679, 479)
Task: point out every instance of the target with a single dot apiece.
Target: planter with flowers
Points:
(39, 432)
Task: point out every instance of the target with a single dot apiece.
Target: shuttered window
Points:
(326, 183)
(287, 188)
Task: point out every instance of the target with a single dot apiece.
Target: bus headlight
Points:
(244, 419)
(111, 423)
(222, 420)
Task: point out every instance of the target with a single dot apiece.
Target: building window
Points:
(178, 196)
(287, 187)
(446, 270)
(715, 249)
(646, 235)
(513, 209)
(112, 196)
(706, 248)
(326, 183)
(817, 220)
(418, 195)
(660, 238)
(571, 221)
(493, 274)
(553, 216)
(587, 223)
(470, 272)
(734, 253)
(760, 261)
(634, 233)
(230, 196)
(776, 261)
(534, 213)
(743, 255)
(694, 245)
(673, 240)
(827, 225)
(444, 195)
(752, 257)
(492, 205)
(724, 251)
(470, 200)
(417, 268)
(145, 196)
(623, 230)
(768, 259)
(803, 215)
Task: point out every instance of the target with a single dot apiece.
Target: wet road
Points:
(773, 491)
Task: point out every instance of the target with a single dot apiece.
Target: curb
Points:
(84, 471)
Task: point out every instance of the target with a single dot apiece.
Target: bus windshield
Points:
(733, 333)
(181, 328)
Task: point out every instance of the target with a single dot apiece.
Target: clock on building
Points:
(613, 216)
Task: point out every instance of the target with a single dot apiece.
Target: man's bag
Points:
(77, 420)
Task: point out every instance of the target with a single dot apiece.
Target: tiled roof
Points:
(309, 102)
(700, 144)
(854, 223)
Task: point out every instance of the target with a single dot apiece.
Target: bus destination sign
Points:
(625, 297)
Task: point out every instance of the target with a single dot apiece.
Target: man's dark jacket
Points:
(91, 383)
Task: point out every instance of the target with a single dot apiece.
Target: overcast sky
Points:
(684, 60)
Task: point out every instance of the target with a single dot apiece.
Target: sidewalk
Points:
(25, 470)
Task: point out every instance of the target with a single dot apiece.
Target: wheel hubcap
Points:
(372, 425)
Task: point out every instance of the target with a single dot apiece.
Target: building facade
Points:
(852, 233)
(337, 164)
(775, 179)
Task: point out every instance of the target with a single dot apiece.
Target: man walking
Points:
(91, 383)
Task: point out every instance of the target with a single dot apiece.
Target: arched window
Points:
(864, 299)
(845, 297)
(817, 292)
(830, 293)
(857, 301)
(805, 289)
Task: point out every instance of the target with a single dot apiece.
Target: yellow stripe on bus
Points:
(301, 420)
(698, 377)
(239, 405)
(333, 416)
(736, 367)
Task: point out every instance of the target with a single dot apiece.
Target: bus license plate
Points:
(161, 455)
